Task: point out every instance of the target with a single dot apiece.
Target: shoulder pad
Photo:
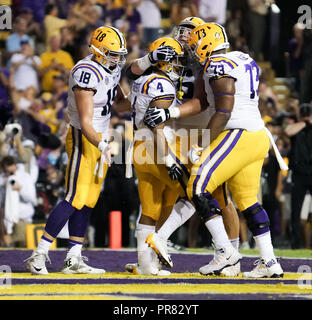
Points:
(219, 66)
(158, 85)
(87, 75)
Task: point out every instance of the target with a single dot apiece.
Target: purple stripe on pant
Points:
(77, 166)
(208, 158)
(222, 157)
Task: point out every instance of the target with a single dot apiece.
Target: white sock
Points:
(235, 243)
(265, 246)
(75, 250)
(44, 244)
(181, 212)
(144, 254)
(218, 233)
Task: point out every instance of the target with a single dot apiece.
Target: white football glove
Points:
(105, 148)
(155, 116)
(195, 153)
(165, 53)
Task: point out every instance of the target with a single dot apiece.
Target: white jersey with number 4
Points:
(147, 89)
(244, 70)
(92, 76)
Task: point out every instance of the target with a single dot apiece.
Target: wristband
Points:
(174, 112)
(168, 160)
(144, 63)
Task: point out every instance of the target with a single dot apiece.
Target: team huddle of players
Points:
(187, 82)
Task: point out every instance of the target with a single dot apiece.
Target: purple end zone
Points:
(114, 261)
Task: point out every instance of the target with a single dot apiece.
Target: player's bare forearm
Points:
(121, 103)
(217, 124)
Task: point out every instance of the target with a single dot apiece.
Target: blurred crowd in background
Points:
(50, 36)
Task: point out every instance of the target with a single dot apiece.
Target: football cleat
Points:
(76, 265)
(223, 258)
(138, 270)
(232, 271)
(265, 268)
(36, 262)
(159, 245)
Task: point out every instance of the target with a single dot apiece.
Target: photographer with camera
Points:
(300, 163)
(18, 200)
(13, 144)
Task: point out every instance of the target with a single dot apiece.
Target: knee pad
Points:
(257, 219)
(206, 205)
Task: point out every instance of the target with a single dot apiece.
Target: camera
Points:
(12, 129)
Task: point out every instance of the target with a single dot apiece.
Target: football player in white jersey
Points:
(183, 209)
(157, 180)
(239, 143)
(93, 87)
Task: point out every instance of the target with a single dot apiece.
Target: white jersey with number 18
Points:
(92, 76)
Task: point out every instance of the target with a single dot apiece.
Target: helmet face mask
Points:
(175, 67)
(206, 39)
(109, 48)
(183, 31)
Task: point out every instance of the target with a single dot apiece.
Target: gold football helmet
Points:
(109, 47)
(207, 38)
(185, 27)
(175, 67)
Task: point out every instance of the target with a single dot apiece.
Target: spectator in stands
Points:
(272, 188)
(53, 24)
(151, 19)
(48, 112)
(294, 56)
(25, 68)
(69, 43)
(181, 9)
(38, 9)
(33, 28)
(258, 11)
(18, 198)
(129, 14)
(306, 92)
(54, 62)
(300, 162)
(213, 11)
(59, 95)
(13, 42)
(5, 105)
(14, 143)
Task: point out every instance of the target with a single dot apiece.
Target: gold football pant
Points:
(236, 157)
(156, 189)
(83, 186)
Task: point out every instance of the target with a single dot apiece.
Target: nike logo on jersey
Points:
(37, 269)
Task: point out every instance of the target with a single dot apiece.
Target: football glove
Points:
(155, 116)
(165, 54)
(174, 171)
(195, 153)
(105, 148)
